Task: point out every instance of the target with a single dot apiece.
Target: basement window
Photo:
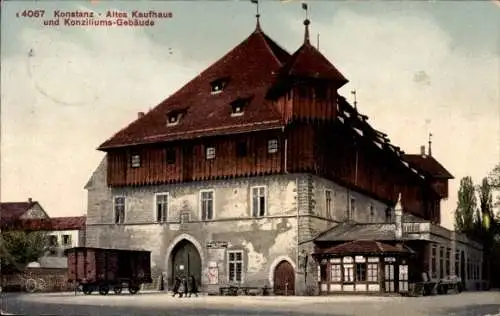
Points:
(218, 85)
(170, 153)
(210, 152)
(241, 149)
(135, 161)
(272, 146)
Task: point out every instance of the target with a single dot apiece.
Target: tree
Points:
(466, 206)
(494, 180)
(18, 248)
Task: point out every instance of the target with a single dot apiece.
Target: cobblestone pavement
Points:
(467, 303)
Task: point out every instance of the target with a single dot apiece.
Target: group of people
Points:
(184, 286)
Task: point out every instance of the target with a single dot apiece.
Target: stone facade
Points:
(295, 212)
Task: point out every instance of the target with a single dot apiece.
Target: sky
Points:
(417, 66)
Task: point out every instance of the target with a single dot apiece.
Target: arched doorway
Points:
(284, 279)
(185, 261)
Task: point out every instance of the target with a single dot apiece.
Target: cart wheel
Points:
(133, 289)
(104, 290)
(87, 290)
(117, 289)
(31, 285)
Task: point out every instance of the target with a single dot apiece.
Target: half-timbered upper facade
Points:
(246, 164)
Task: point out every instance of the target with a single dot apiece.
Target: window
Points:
(174, 116)
(238, 106)
(66, 240)
(329, 203)
(173, 119)
(235, 262)
(336, 273)
(433, 261)
(210, 152)
(348, 272)
(441, 262)
(207, 205)
(403, 278)
(218, 85)
(272, 146)
(388, 215)
(135, 161)
(361, 272)
(241, 149)
(171, 155)
(448, 252)
(457, 263)
(373, 272)
(258, 201)
(323, 272)
(352, 209)
(53, 242)
(161, 207)
(371, 212)
(119, 210)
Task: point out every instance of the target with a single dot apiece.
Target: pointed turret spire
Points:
(257, 15)
(306, 24)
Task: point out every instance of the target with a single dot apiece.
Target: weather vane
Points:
(256, 2)
(306, 8)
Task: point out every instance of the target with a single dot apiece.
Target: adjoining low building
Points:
(63, 232)
(259, 173)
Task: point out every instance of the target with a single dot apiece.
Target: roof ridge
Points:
(263, 36)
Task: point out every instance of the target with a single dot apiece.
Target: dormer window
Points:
(218, 85)
(174, 116)
(238, 106)
(135, 161)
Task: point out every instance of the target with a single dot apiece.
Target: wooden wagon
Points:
(103, 269)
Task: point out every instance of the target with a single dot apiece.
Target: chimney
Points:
(422, 151)
(30, 200)
(398, 212)
(140, 114)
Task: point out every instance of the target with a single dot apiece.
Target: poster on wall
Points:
(213, 273)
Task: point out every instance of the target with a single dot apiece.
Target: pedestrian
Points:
(177, 285)
(185, 284)
(193, 286)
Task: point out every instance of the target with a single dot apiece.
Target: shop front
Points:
(363, 266)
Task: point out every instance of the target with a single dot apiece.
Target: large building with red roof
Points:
(257, 172)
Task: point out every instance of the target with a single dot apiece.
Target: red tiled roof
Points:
(250, 68)
(12, 211)
(362, 247)
(51, 224)
(68, 223)
(429, 165)
(307, 61)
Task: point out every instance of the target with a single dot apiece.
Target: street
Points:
(154, 303)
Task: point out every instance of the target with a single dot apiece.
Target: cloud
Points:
(77, 89)
(383, 57)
